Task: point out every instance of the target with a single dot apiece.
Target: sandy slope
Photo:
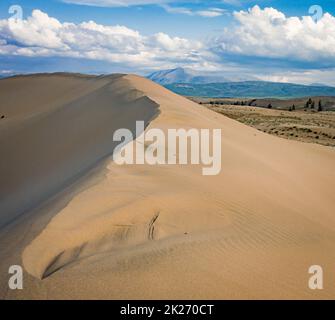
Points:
(56, 127)
(168, 232)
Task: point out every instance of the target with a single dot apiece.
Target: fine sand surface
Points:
(167, 231)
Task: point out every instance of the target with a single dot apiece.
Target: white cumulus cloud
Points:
(41, 35)
(269, 33)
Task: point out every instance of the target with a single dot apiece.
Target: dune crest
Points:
(58, 127)
(168, 232)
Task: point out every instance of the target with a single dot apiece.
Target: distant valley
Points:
(184, 83)
(251, 89)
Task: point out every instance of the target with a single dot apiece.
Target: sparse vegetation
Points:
(320, 106)
(308, 104)
(291, 123)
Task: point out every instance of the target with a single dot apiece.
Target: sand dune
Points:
(154, 232)
(56, 127)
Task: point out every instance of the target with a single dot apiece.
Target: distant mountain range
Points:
(181, 75)
(6, 75)
(251, 89)
(186, 83)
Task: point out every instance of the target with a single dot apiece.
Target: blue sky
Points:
(150, 18)
(269, 42)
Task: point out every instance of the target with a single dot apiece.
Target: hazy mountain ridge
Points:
(188, 83)
(181, 75)
(252, 89)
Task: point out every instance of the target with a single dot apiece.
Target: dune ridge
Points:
(155, 232)
(55, 130)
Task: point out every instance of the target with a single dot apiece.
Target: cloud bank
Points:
(41, 35)
(269, 33)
